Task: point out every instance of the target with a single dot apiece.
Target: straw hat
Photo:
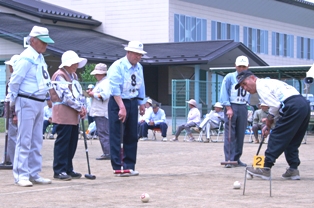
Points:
(99, 69)
(192, 102)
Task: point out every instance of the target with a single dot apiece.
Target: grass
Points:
(2, 125)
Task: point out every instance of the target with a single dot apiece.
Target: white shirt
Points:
(273, 92)
(194, 116)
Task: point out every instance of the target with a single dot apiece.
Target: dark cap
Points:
(155, 105)
(241, 77)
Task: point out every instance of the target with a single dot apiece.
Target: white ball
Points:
(145, 197)
(236, 185)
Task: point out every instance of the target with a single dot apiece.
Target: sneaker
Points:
(228, 166)
(206, 141)
(291, 174)
(24, 183)
(191, 139)
(75, 175)
(144, 139)
(241, 164)
(174, 139)
(41, 180)
(51, 136)
(259, 172)
(62, 176)
(132, 173)
(164, 139)
(256, 141)
(88, 136)
(95, 137)
(104, 157)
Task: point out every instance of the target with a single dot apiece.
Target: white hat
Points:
(149, 101)
(263, 104)
(99, 69)
(13, 59)
(192, 102)
(91, 86)
(41, 33)
(70, 57)
(218, 105)
(135, 46)
(242, 61)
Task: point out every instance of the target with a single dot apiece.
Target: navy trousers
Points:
(65, 147)
(238, 126)
(289, 131)
(162, 126)
(130, 137)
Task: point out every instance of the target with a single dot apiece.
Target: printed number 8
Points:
(133, 78)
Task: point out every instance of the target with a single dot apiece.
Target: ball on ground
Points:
(236, 185)
(145, 197)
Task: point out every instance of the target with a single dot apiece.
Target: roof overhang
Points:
(276, 72)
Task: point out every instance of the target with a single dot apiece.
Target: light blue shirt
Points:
(126, 80)
(47, 112)
(30, 76)
(230, 95)
(159, 117)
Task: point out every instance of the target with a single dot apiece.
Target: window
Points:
(188, 29)
(224, 31)
(282, 44)
(305, 48)
(256, 39)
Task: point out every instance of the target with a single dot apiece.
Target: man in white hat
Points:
(259, 120)
(28, 87)
(236, 112)
(194, 119)
(141, 119)
(12, 120)
(68, 108)
(128, 91)
(99, 108)
(212, 120)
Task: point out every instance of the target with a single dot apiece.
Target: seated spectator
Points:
(259, 120)
(194, 119)
(141, 119)
(156, 119)
(48, 119)
(212, 120)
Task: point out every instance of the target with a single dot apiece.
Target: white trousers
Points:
(27, 158)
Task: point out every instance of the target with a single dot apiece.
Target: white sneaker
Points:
(132, 173)
(24, 183)
(41, 181)
(51, 136)
(144, 139)
(164, 139)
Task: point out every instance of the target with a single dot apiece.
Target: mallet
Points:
(122, 171)
(89, 175)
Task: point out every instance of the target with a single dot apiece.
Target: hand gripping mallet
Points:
(122, 171)
(229, 140)
(89, 175)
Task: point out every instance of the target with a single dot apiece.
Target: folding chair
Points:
(154, 131)
(219, 131)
